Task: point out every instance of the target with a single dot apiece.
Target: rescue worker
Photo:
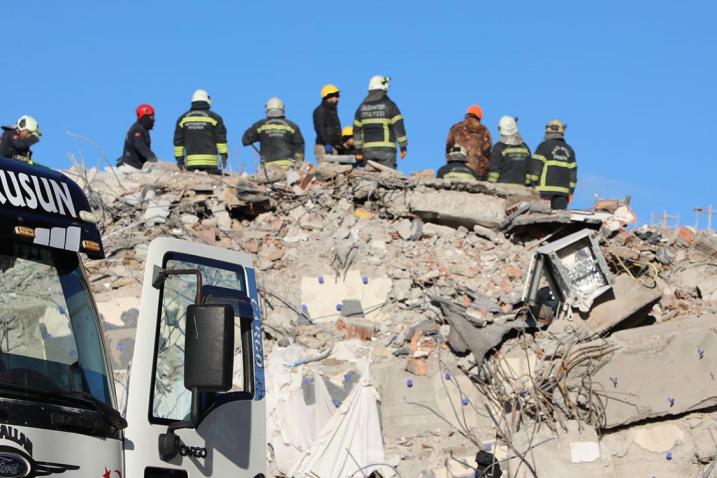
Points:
(378, 126)
(200, 137)
(137, 142)
(348, 143)
(16, 140)
(475, 137)
(456, 167)
(554, 171)
(280, 140)
(326, 122)
(510, 159)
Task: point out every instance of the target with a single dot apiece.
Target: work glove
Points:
(328, 149)
(224, 157)
(403, 152)
(570, 198)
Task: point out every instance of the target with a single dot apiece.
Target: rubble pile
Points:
(411, 322)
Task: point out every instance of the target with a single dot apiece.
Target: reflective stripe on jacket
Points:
(509, 164)
(457, 170)
(554, 169)
(279, 140)
(378, 124)
(199, 136)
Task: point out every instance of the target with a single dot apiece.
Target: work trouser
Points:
(557, 201)
(383, 156)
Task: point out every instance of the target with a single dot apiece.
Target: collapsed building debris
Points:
(396, 305)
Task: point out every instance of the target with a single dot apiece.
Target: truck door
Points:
(230, 439)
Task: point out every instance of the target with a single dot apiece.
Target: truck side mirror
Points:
(209, 348)
(208, 364)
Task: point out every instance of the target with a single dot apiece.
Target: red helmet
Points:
(144, 110)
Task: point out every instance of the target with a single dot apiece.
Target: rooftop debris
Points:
(401, 299)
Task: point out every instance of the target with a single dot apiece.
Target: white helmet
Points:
(458, 153)
(28, 123)
(379, 82)
(508, 126)
(201, 95)
(274, 107)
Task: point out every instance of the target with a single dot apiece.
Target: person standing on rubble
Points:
(16, 140)
(280, 141)
(456, 167)
(200, 137)
(510, 157)
(475, 137)
(378, 126)
(326, 123)
(554, 170)
(137, 142)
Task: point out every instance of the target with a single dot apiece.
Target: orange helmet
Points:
(476, 111)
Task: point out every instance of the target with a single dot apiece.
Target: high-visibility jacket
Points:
(554, 169)
(280, 140)
(12, 146)
(510, 164)
(378, 127)
(458, 170)
(200, 135)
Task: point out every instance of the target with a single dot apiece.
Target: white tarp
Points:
(350, 441)
(292, 423)
(309, 437)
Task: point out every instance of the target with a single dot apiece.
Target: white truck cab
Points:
(195, 401)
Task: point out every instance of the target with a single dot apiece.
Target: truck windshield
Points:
(49, 333)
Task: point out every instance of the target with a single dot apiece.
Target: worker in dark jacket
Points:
(378, 126)
(510, 157)
(280, 140)
(326, 123)
(137, 142)
(554, 170)
(457, 167)
(16, 141)
(200, 137)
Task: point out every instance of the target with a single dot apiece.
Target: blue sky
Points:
(635, 81)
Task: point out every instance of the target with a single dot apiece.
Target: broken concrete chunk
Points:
(457, 208)
(659, 438)
(189, 219)
(626, 305)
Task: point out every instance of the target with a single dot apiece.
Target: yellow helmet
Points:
(555, 126)
(347, 131)
(329, 89)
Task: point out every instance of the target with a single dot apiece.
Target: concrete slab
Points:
(659, 370)
(458, 208)
(321, 294)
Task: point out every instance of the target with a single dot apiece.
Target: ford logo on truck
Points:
(13, 465)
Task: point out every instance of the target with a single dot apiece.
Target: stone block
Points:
(458, 208)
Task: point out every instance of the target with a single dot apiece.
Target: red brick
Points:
(356, 327)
